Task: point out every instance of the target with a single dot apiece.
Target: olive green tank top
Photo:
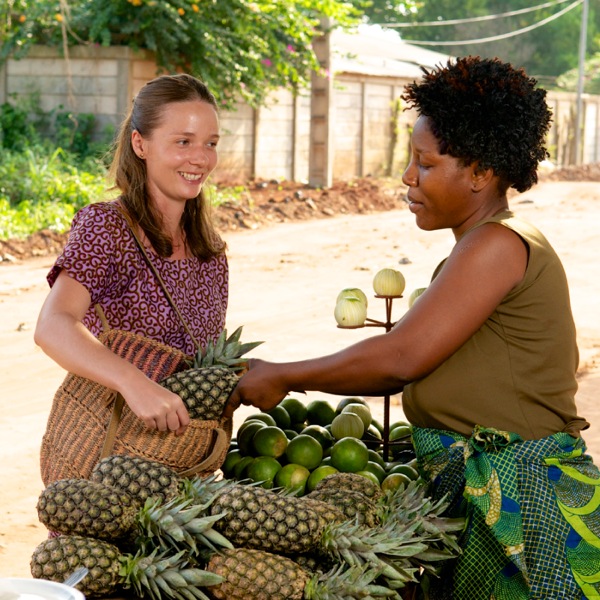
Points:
(517, 373)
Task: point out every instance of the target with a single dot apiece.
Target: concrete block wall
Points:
(340, 129)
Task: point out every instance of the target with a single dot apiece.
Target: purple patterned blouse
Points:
(102, 254)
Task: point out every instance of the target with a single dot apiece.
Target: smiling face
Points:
(181, 152)
(440, 188)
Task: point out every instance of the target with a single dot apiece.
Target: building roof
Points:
(371, 50)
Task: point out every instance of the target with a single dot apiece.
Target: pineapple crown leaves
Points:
(375, 548)
(179, 523)
(347, 582)
(226, 351)
(203, 490)
(412, 504)
(160, 575)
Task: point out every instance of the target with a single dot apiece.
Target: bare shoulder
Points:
(492, 240)
(491, 254)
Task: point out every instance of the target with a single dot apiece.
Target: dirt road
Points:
(284, 281)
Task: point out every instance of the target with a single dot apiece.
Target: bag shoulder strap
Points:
(111, 431)
(160, 280)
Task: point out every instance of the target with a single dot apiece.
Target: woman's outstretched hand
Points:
(260, 386)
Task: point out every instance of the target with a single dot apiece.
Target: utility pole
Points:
(580, 80)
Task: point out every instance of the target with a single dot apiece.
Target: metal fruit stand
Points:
(388, 324)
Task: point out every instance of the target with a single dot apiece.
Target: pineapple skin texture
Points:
(257, 575)
(139, 478)
(204, 390)
(350, 481)
(261, 519)
(354, 505)
(56, 558)
(87, 508)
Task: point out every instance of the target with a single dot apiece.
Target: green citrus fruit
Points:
(266, 418)
(370, 476)
(263, 470)
(349, 400)
(245, 436)
(232, 458)
(295, 408)
(304, 450)
(269, 441)
(374, 433)
(347, 425)
(376, 469)
(376, 457)
(293, 478)
(375, 423)
(415, 295)
(245, 424)
(326, 461)
(290, 433)
(318, 474)
(412, 463)
(239, 470)
(394, 480)
(281, 416)
(400, 432)
(322, 435)
(349, 455)
(319, 412)
(398, 423)
(362, 410)
(407, 470)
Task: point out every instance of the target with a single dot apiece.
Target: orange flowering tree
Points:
(240, 48)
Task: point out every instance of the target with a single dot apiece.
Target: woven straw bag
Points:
(89, 421)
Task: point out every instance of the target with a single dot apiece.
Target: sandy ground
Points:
(284, 282)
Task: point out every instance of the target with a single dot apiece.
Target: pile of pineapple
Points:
(136, 525)
(141, 528)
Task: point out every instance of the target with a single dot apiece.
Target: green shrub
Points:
(50, 167)
(19, 124)
(43, 190)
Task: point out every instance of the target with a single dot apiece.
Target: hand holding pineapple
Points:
(207, 384)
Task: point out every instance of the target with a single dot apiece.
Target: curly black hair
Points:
(486, 111)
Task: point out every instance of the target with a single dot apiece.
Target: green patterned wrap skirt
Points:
(532, 510)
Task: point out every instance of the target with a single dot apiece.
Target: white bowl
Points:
(15, 588)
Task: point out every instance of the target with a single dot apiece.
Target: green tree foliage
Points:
(545, 52)
(386, 11)
(240, 48)
(568, 81)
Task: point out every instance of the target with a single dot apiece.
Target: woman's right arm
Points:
(62, 336)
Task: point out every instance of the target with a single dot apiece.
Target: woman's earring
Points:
(141, 155)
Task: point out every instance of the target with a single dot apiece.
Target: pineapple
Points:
(145, 479)
(256, 518)
(351, 481)
(156, 575)
(260, 575)
(138, 477)
(206, 386)
(353, 504)
(92, 509)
